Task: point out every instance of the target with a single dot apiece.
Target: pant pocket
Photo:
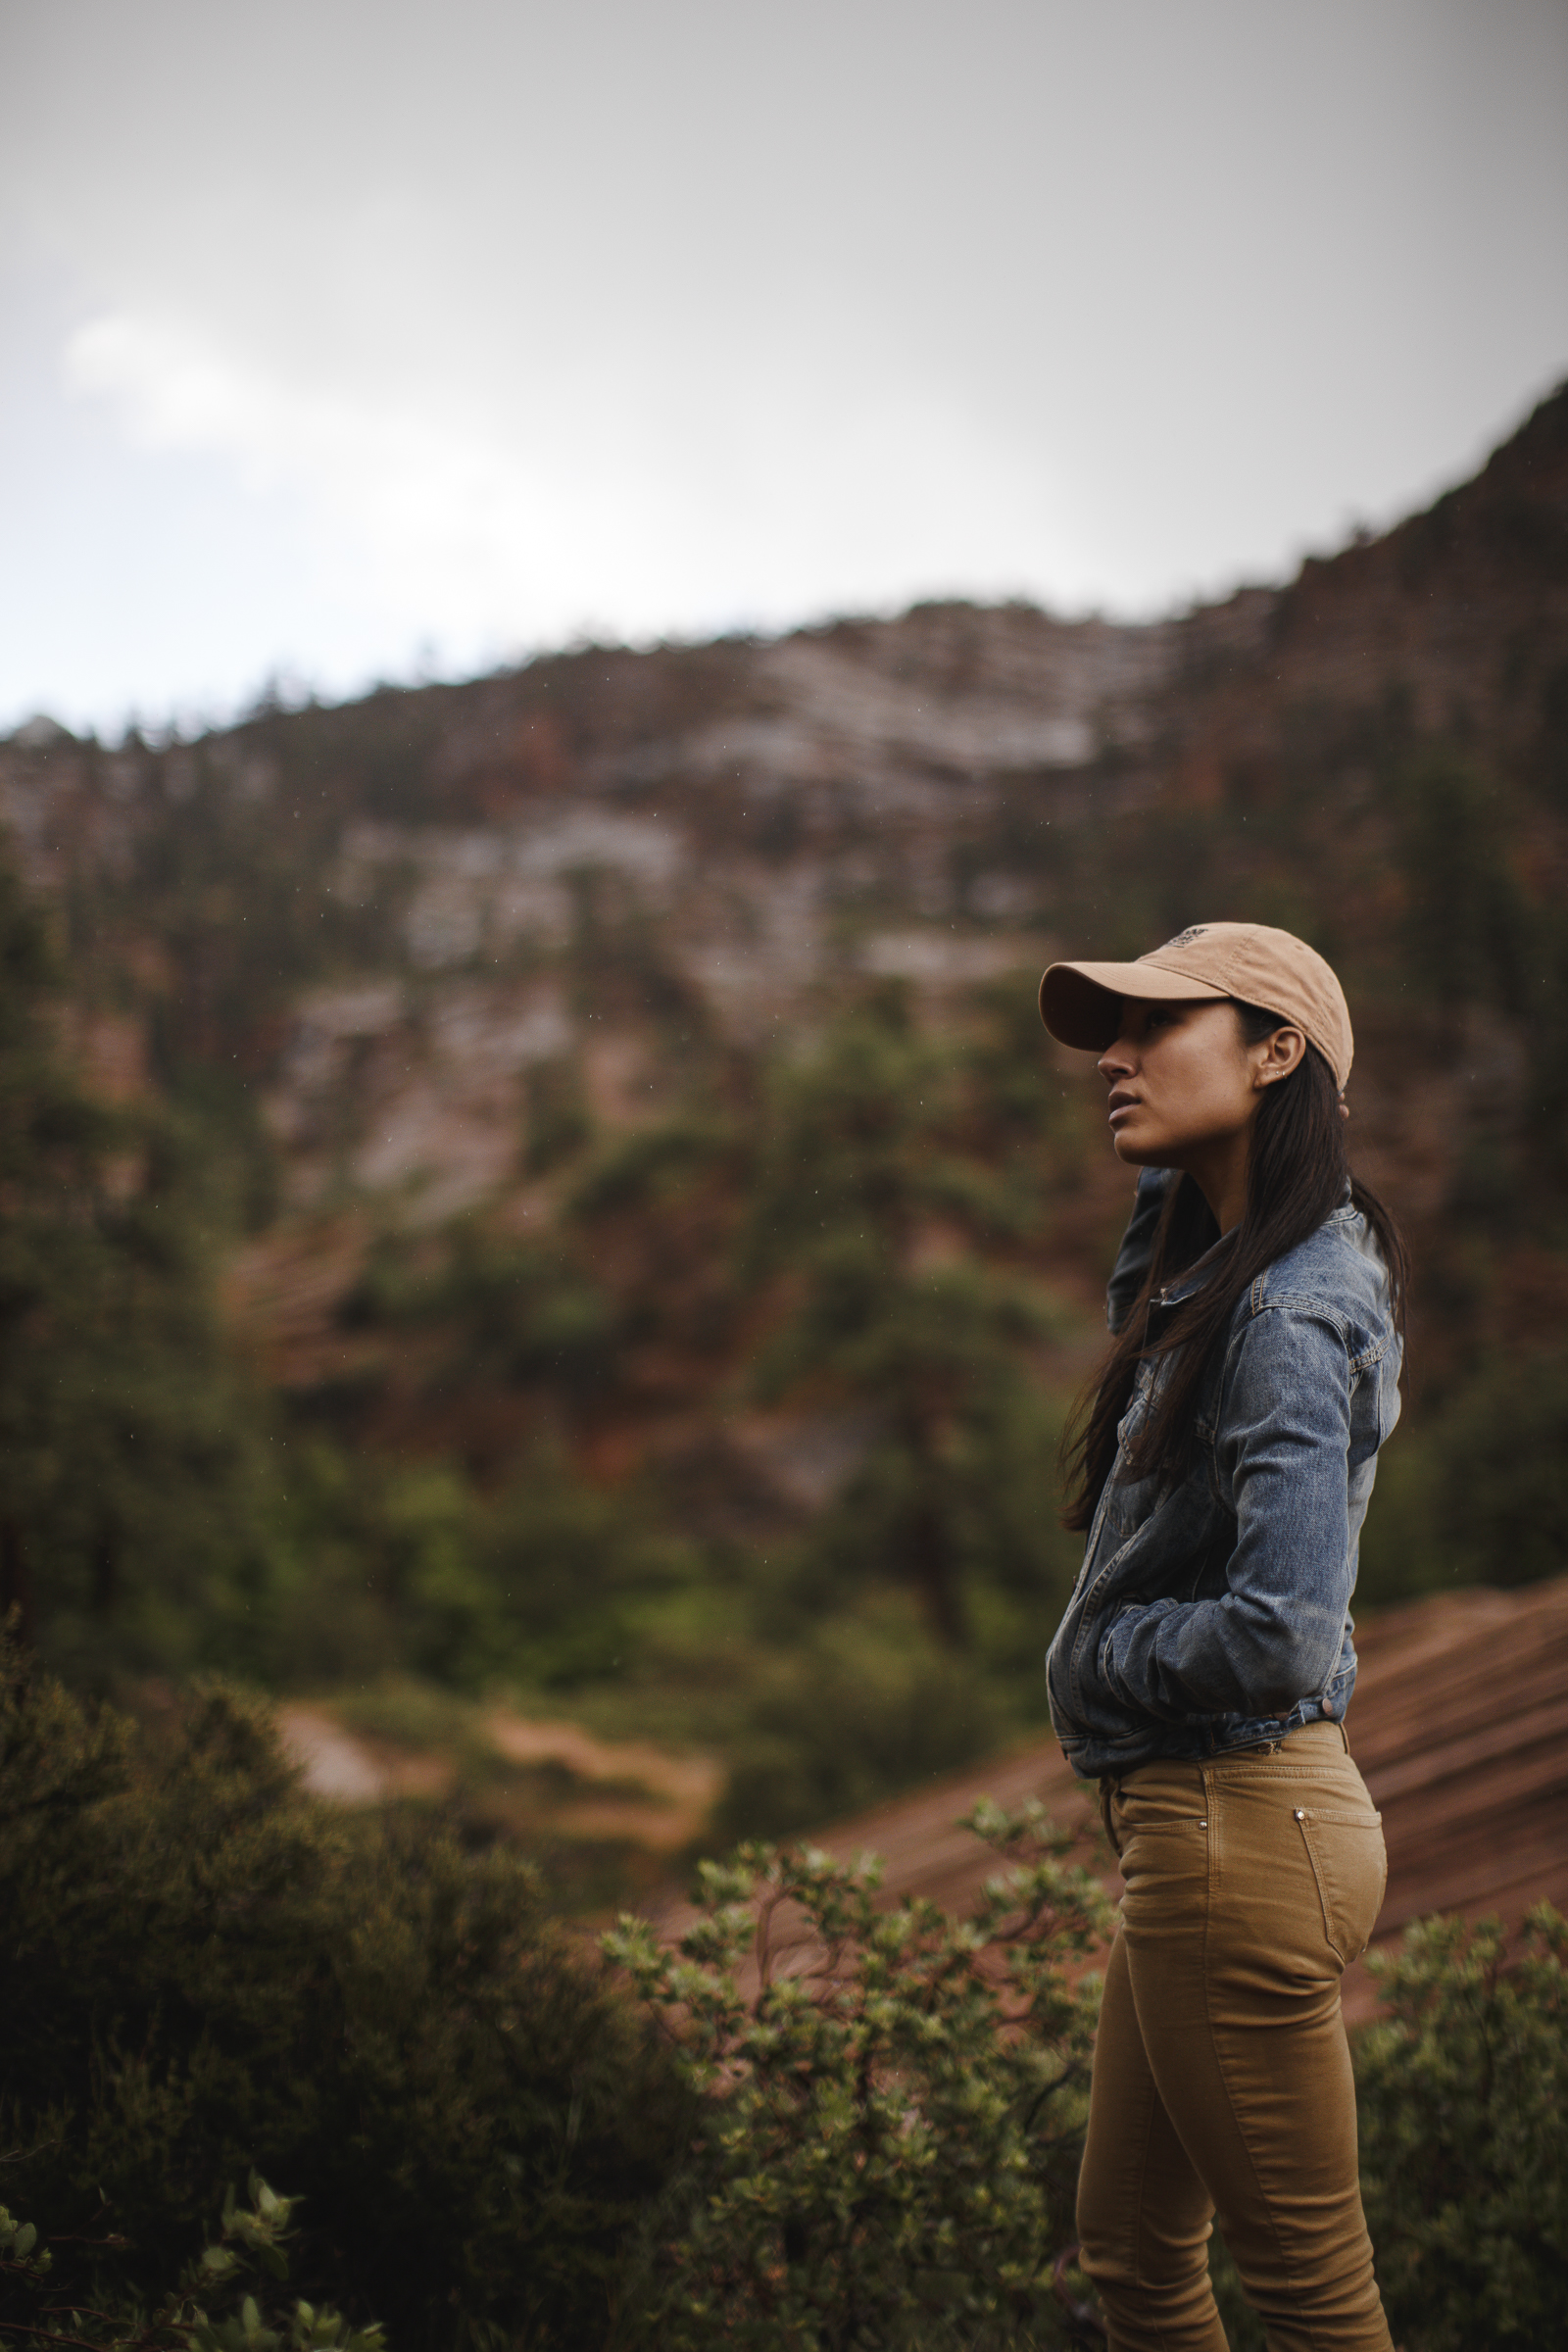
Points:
(1351, 1864)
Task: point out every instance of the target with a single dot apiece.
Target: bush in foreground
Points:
(830, 2124)
(226, 2301)
(888, 2135)
(1463, 2093)
(201, 1972)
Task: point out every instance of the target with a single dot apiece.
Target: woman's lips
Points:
(1122, 1110)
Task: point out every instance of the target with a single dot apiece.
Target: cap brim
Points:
(1080, 1003)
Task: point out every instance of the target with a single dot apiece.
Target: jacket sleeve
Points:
(1127, 1275)
(1273, 1638)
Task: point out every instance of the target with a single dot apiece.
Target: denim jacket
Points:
(1216, 1615)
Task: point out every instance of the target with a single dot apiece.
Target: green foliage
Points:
(518, 1312)
(201, 1972)
(1466, 921)
(861, 1142)
(573, 1566)
(650, 1164)
(133, 1490)
(950, 1495)
(863, 1159)
(889, 2119)
(1477, 1494)
(863, 1705)
(443, 1610)
(858, 2124)
(1031, 1122)
(857, 1220)
(390, 1566)
(1463, 2095)
(1243, 2329)
(237, 887)
(192, 2317)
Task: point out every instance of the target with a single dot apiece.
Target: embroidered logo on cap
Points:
(1183, 939)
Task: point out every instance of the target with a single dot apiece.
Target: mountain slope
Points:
(639, 1176)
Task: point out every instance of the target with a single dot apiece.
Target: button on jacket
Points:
(1215, 1614)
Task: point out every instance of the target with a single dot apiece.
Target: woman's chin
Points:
(1139, 1151)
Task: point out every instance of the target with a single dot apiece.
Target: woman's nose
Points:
(1115, 1062)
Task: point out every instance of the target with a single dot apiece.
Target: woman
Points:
(1221, 1471)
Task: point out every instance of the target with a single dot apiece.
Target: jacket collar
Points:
(1199, 1272)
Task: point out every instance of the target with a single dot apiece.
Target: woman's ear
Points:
(1278, 1056)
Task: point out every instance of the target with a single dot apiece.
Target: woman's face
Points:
(1185, 1086)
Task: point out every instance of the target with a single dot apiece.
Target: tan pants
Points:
(1222, 2077)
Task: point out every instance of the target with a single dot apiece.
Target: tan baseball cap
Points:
(1079, 1003)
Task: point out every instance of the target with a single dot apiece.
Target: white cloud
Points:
(443, 520)
(735, 489)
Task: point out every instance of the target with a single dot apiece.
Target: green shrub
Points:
(1463, 2093)
(515, 1311)
(215, 2307)
(889, 2135)
(571, 1565)
(409, 1565)
(887, 2142)
(868, 1705)
(1477, 1493)
(650, 1164)
(201, 1972)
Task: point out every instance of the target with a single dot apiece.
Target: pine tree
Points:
(132, 1487)
(869, 1201)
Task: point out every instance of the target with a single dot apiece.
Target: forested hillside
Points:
(555, 1186)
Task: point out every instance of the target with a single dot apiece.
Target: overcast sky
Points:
(348, 339)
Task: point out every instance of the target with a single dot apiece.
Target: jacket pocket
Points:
(1351, 1864)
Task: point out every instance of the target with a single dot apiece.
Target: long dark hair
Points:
(1297, 1173)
